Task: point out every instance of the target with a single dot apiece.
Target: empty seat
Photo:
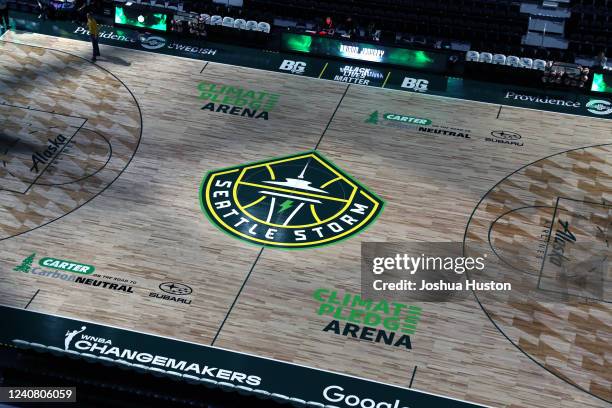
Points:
(513, 61)
(216, 20)
(205, 18)
(228, 22)
(472, 56)
(251, 25)
(527, 62)
(539, 64)
(239, 23)
(263, 27)
(486, 57)
(499, 59)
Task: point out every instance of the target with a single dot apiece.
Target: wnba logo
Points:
(70, 335)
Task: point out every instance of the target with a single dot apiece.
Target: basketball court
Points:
(142, 193)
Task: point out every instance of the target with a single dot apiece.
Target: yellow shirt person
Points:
(92, 26)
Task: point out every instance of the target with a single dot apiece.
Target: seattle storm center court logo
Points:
(297, 201)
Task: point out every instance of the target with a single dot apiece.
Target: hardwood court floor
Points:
(138, 218)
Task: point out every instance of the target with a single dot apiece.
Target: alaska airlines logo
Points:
(291, 202)
(43, 157)
(563, 236)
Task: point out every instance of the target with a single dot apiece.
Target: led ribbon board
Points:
(332, 47)
(602, 83)
(141, 17)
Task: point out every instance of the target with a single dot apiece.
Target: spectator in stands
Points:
(197, 27)
(601, 60)
(192, 27)
(328, 25)
(46, 12)
(202, 27)
(4, 16)
(175, 26)
(584, 77)
(372, 32)
(92, 26)
(351, 27)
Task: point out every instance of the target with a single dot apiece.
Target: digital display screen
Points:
(602, 83)
(333, 47)
(140, 17)
(354, 74)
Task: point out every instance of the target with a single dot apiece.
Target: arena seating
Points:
(501, 59)
(484, 23)
(589, 28)
(496, 26)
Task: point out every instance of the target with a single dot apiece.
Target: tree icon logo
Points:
(373, 118)
(26, 265)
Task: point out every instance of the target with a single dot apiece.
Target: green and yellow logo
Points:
(373, 118)
(297, 201)
(395, 117)
(53, 263)
(68, 266)
(235, 100)
(381, 321)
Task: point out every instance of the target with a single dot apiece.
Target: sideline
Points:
(308, 66)
(70, 320)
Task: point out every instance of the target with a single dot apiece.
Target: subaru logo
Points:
(175, 288)
(503, 135)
